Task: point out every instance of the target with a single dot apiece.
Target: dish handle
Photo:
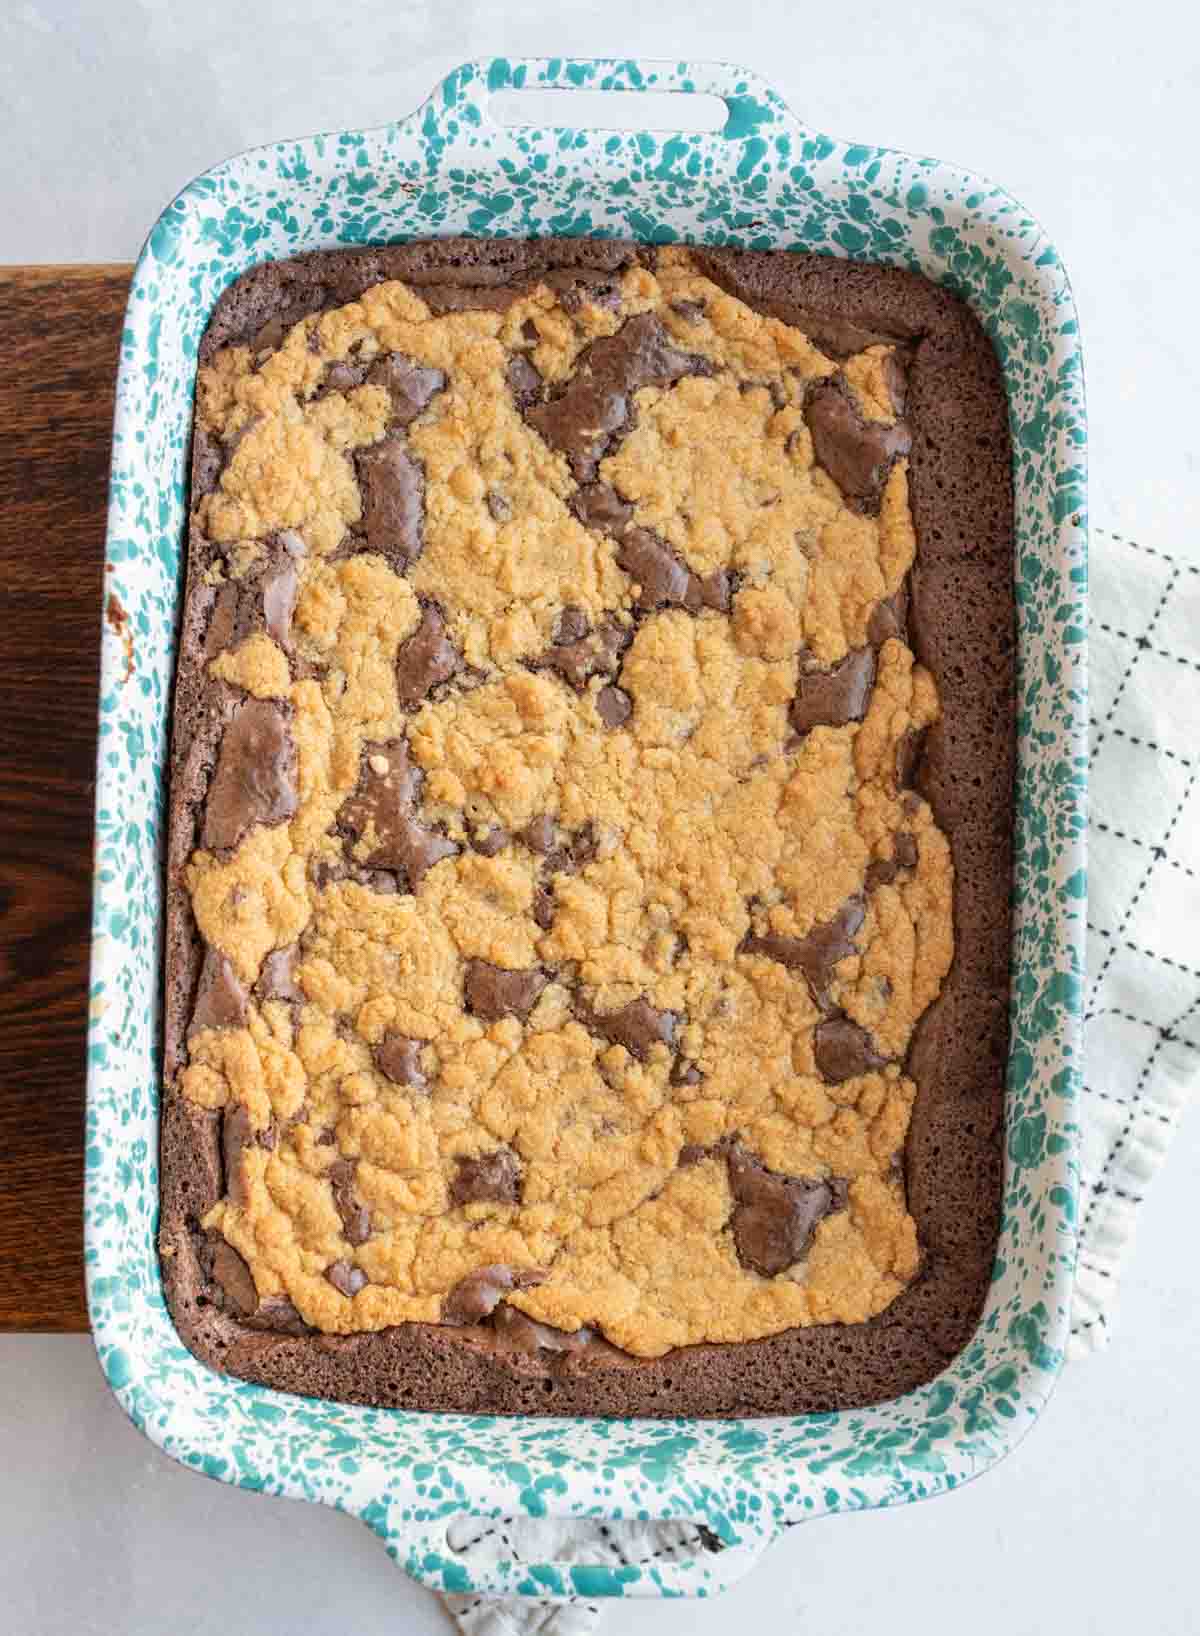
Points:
(438, 1554)
(754, 113)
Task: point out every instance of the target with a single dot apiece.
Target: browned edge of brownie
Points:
(961, 626)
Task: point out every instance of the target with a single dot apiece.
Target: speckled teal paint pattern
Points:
(764, 181)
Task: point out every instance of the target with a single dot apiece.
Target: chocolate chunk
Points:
(493, 1178)
(895, 378)
(889, 618)
(663, 580)
(277, 976)
(231, 620)
(599, 506)
(491, 992)
(492, 841)
(832, 698)
(524, 382)
(685, 1073)
(221, 998)
(843, 1050)
(424, 659)
(909, 749)
(393, 496)
(539, 834)
(574, 287)
(208, 458)
(276, 1313)
(774, 1216)
(614, 706)
(691, 1154)
(637, 1026)
(525, 1334)
(410, 385)
(236, 1134)
(356, 1218)
(344, 377)
(399, 1058)
(388, 801)
(279, 588)
(836, 337)
(716, 590)
(690, 311)
(255, 778)
(346, 1278)
(499, 507)
(543, 908)
(235, 1278)
(854, 451)
(584, 421)
(571, 626)
(597, 654)
(883, 871)
(818, 953)
(479, 1294)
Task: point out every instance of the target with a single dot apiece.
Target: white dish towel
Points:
(1142, 1006)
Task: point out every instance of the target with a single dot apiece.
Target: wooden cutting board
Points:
(59, 334)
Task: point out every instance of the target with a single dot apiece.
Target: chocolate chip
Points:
(597, 654)
(691, 1154)
(599, 506)
(539, 833)
(907, 852)
(356, 1218)
(498, 506)
(774, 1216)
(889, 618)
(493, 1178)
(817, 953)
(880, 872)
(393, 496)
(856, 452)
(398, 1057)
(479, 1294)
(235, 1278)
(531, 332)
(424, 659)
(492, 841)
(690, 311)
(279, 588)
(277, 975)
(221, 998)
(685, 1073)
(346, 1278)
(255, 778)
(883, 871)
(388, 800)
(491, 992)
(543, 908)
(614, 706)
(410, 385)
(832, 698)
(524, 382)
(571, 626)
(843, 1050)
(638, 1026)
(585, 420)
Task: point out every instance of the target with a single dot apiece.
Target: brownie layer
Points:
(960, 623)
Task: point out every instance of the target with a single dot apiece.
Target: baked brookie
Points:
(590, 820)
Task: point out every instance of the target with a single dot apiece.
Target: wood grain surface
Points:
(59, 334)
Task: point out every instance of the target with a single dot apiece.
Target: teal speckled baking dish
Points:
(763, 181)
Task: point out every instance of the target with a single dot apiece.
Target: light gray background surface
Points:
(1087, 113)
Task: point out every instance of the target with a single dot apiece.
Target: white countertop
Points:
(1086, 112)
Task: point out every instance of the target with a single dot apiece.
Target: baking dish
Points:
(763, 181)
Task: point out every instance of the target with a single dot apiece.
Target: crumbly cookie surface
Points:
(567, 911)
